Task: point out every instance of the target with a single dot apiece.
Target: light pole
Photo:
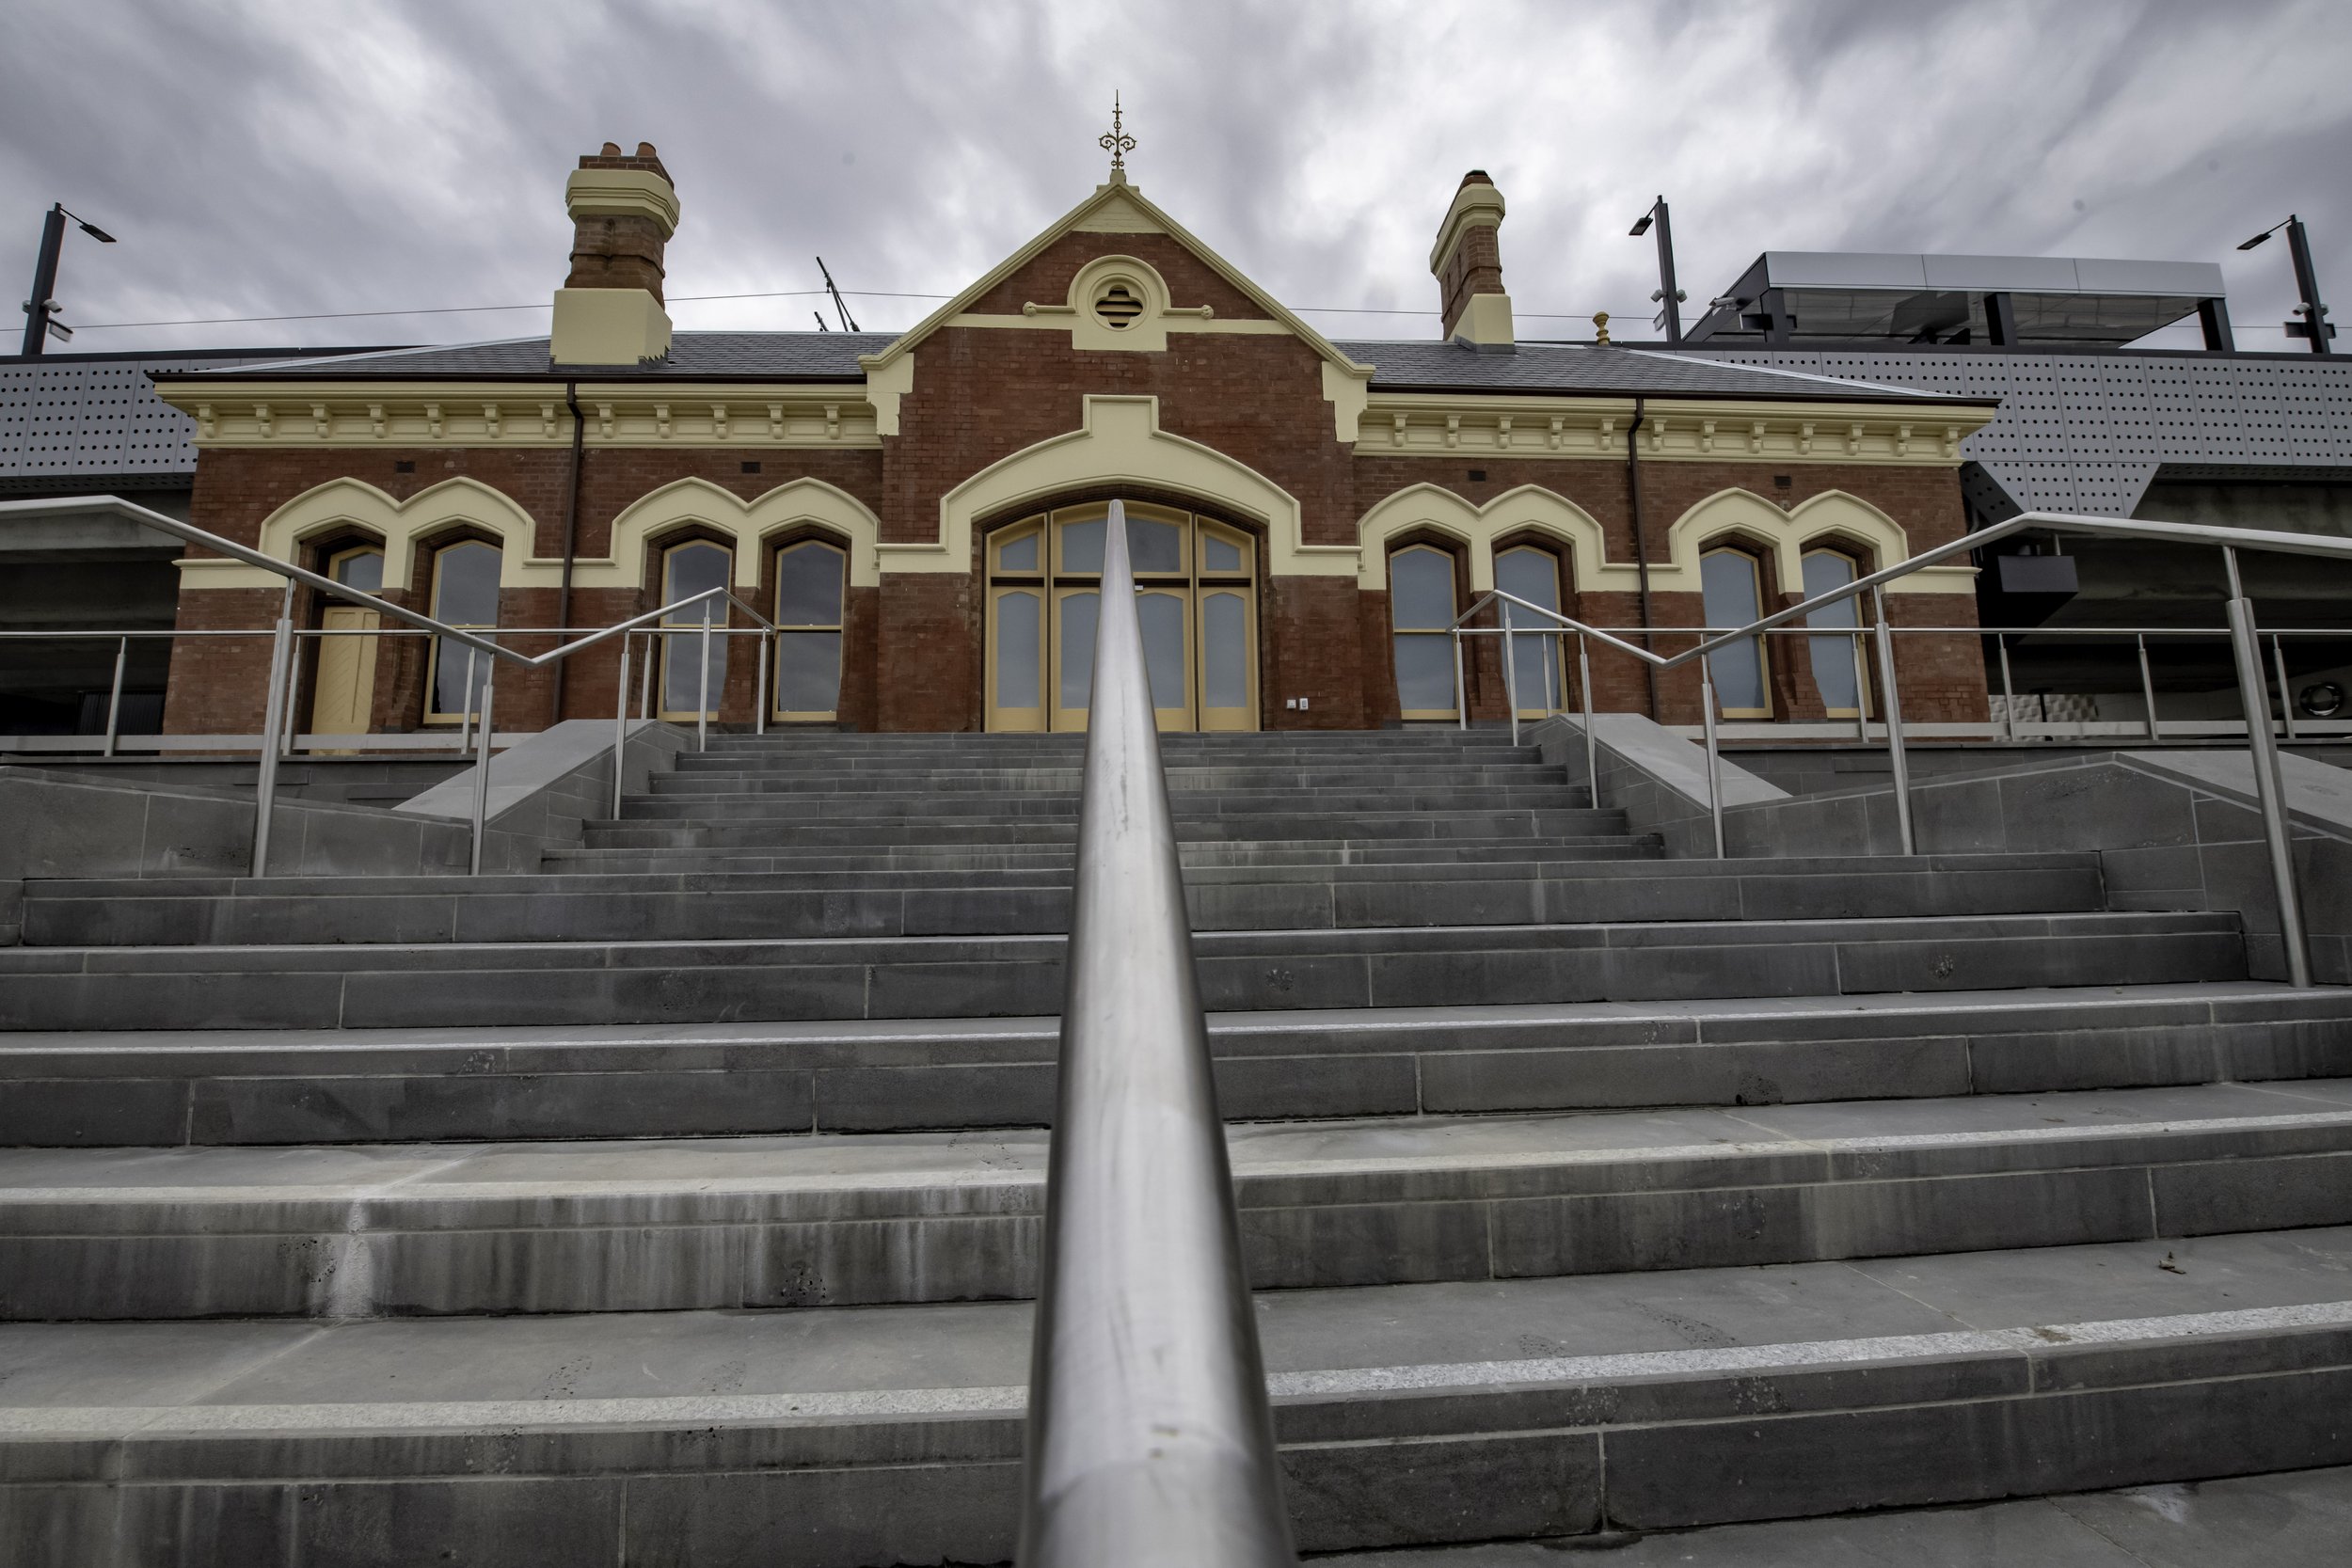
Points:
(2315, 324)
(1666, 295)
(40, 311)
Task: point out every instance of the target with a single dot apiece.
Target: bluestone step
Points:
(212, 1086)
(1407, 1415)
(360, 985)
(671, 1224)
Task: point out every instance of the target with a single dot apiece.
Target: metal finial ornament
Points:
(1116, 141)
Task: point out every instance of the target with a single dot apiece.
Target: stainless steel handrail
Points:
(277, 701)
(1150, 1444)
(2253, 683)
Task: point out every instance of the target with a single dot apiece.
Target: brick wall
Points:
(914, 647)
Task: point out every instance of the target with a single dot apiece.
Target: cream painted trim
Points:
(622, 193)
(1475, 206)
(750, 524)
(1416, 424)
(353, 504)
(749, 415)
(1785, 536)
(884, 386)
(1531, 509)
(1120, 441)
(1055, 318)
(1347, 393)
(1124, 206)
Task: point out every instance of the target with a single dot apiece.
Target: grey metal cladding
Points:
(63, 416)
(2088, 432)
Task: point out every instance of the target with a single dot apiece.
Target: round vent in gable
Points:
(1117, 304)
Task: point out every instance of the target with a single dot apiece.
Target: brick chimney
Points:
(624, 210)
(1466, 262)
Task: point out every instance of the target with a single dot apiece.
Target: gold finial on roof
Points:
(1116, 142)
(1601, 327)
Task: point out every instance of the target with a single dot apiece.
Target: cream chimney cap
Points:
(622, 193)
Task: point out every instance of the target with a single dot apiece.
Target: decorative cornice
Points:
(527, 413)
(1453, 426)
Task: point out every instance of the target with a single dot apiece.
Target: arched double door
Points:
(1195, 590)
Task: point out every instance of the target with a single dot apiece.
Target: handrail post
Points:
(1592, 749)
(465, 709)
(1511, 674)
(1461, 685)
(273, 713)
(657, 652)
(1893, 701)
(114, 696)
(620, 723)
(2009, 693)
(1150, 1444)
(2148, 690)
(702, 700)
(1861, 688)
(482, 767)
(291, 725)
(767, 652)
(1714, 768)
(2286, 694)
(2263, 751)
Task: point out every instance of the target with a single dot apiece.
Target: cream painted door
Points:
(1229, 657)
(344, 690)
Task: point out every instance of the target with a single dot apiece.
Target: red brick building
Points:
(922, 514)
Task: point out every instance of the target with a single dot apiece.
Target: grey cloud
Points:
(279, 158)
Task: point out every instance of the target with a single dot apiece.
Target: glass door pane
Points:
(1162, 615)
(1075, 611)
(686, 570)
(1732, 594)
(1018, 688)
(1225, 661)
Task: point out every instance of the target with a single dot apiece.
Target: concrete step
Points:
(790, 830)
(683, 907)
(327, 986)
(841, 1220)
(163, 1089)
(696, 771)
(785, 804)
(1412, 1415)
(1236, 853)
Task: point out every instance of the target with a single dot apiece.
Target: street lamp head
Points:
(2258, 239)
(96, 233)
(1642, 228)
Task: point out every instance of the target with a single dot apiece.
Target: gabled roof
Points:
(1116, 208)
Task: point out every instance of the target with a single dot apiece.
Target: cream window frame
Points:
(839, 628)
(1763, 652)
(1856, 567)
(676, 629)
(441, 554)
(1443, 635)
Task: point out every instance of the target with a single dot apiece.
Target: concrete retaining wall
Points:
(61, 823)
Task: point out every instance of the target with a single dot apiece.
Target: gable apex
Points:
(1116, 208)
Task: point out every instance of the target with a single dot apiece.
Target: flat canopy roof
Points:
(1864, 295)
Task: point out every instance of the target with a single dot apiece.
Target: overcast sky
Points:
(315, 155)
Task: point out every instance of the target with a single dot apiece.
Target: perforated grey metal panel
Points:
(2086, 433)
(61, 418)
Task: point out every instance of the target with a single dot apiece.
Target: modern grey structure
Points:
(2088, 424)
(90, 424)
